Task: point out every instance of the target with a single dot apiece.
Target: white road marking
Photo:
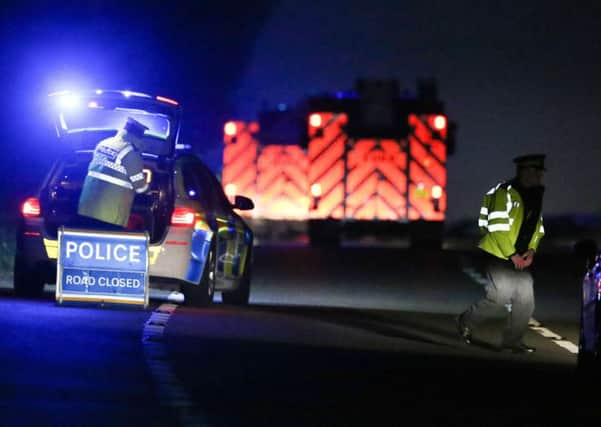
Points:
(533, 324)
(546, 332)
(568, 345)
(170, 389)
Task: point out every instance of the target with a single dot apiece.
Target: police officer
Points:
(114, 177)
(512, 226)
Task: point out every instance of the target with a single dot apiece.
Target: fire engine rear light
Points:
(184, 217)
(315, 120)
(230, 129)
(31, 207)
(167, 100)
(440, 122)
(316, 190)
(436, 192)
(230, 190)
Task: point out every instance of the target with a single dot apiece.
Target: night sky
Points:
(516, 76)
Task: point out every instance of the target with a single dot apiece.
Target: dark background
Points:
(517, 76)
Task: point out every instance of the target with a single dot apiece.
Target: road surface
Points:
(358, 336)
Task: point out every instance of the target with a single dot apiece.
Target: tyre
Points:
(201, 295)
(28, 281)
(241, 296)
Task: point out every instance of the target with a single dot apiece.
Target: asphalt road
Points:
(354, 337)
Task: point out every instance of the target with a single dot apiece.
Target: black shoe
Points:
(464, 332)
(520, 348)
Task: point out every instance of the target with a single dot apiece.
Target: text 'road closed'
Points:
(102, 281)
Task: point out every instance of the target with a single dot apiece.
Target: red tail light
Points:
(31, 207)
(184, 217)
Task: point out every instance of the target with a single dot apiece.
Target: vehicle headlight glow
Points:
(69, 101)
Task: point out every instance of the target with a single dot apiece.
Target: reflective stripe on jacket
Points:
(500, 220)
(114, 176)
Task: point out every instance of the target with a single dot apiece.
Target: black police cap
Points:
(536, 161)
(135, 127)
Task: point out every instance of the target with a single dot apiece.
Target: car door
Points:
(231, 238)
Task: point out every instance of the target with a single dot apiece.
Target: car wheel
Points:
(27, 280)
(202, 294)
(240, 296)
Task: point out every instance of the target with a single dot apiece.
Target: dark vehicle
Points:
(197, 242)
(589, 354)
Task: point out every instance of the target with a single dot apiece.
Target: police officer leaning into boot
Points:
(512, 226)
(114, 177)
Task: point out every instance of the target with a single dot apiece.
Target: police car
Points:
(197, 242)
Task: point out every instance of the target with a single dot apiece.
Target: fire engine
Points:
(368, 161)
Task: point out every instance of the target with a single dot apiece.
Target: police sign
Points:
(102, 266)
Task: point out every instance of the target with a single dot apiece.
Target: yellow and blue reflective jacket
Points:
(114, 176)
(501, 217)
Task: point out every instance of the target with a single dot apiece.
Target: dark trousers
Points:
(510, 292)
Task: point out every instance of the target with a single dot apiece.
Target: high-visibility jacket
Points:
(501, 216)
(114, 176)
